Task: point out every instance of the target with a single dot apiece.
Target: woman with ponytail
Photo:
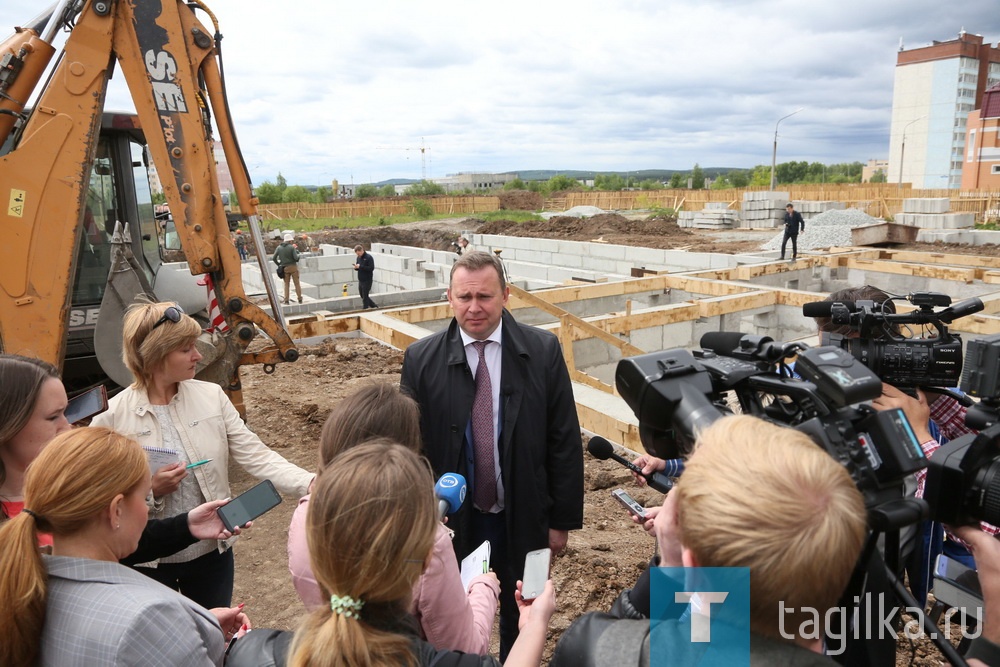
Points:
(79, 606)
(370, 529)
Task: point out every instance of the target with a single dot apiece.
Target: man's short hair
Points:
(850, 295)
(477, 260)
(789, 205)
(766, 497)
(359, 247)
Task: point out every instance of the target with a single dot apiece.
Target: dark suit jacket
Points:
(541, 453)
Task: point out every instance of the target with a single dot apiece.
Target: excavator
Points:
(80, 239)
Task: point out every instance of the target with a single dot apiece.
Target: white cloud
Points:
(322, 90)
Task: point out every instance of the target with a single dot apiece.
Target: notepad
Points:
(161, 456)
(475, 564)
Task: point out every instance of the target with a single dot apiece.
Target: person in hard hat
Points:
(241, 244)
(287, 258)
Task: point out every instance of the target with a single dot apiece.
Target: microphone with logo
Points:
(450, 492)
(660, 481)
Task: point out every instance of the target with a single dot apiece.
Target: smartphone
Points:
(249, 505)
(633, 507)
(536, 573)
(89, 403)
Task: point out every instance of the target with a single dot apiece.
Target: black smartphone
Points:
(249, 505)
(89, 403)
(633, 507)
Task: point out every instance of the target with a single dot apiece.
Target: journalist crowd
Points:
(111, 556)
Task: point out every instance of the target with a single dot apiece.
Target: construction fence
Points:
(382, 206)
(877, 200)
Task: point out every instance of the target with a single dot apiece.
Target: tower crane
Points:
(423, 155)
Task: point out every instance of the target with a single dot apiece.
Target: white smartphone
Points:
(536, 573)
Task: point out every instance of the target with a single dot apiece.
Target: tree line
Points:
(786, 173)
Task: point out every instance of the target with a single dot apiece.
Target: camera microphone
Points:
(601, 449)
(721, 342)
(450, 492)
(825, 308)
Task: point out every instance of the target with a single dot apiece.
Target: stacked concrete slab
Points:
(763, 209)
(932, 213)
(715, 215)
(810, 209)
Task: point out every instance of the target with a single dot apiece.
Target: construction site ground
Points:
(287, 409)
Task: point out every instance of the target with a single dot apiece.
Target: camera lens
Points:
(984, 499)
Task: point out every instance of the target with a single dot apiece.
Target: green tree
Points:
(878, 177)
(697, 177)
(424, 188)
(387, 191)
(158, 198)
(676, 180)
(650, 184)
(281, 182)
(561, 182)
(296, 193)
(366, 191)
(536, 186)
(516, 184)
(609, 182)
(322, 194)
(268, 193)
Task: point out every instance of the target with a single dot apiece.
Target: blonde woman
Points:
(371, 527)
(167, 408)
(78, 606)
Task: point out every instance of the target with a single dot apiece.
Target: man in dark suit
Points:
(365, 266)
(793, 223)
(512, 430)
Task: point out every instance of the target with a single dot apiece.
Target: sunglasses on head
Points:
(171, 314)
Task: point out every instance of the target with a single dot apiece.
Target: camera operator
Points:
(799, 529)
(936, 418)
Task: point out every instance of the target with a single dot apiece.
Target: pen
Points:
(197, 463)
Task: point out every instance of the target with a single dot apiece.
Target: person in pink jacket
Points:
(450, 617)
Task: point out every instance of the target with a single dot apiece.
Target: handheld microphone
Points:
(660, 481)
(450, 492)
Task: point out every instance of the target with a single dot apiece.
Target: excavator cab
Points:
(121, 190)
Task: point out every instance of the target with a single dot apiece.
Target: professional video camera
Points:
(675, 393)
(963, 476)
(900, 360)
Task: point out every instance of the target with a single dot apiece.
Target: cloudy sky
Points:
(324, 90)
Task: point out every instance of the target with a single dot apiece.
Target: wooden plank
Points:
(627, 349)
(715, 306)
(938, 258)
(590, 381)
(322, 327)
(609, 427)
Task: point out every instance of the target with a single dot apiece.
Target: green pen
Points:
(197, 463)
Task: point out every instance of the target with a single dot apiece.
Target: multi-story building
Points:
(936, 88)
(981, 169)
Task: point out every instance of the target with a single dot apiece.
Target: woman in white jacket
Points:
(166, 408)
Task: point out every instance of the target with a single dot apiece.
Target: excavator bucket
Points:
(126, 284)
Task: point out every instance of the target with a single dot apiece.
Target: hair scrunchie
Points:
(346, 606)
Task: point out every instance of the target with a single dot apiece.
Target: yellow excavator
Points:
(79, 238)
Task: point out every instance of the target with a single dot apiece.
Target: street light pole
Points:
(774, 153)
(902, 151)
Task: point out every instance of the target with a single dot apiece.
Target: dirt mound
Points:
(521, 200)
(394, 235)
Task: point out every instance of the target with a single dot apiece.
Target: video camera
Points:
(675, 393)
(902, 361)
(963, 476)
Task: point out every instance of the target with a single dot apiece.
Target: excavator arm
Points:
(170, 63)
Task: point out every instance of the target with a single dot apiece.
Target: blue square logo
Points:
(700, 616)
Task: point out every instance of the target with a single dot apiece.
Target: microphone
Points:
(601, 449)
(450, 492)
(721, 342)
(825, 308)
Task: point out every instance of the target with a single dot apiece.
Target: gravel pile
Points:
(830, 228)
